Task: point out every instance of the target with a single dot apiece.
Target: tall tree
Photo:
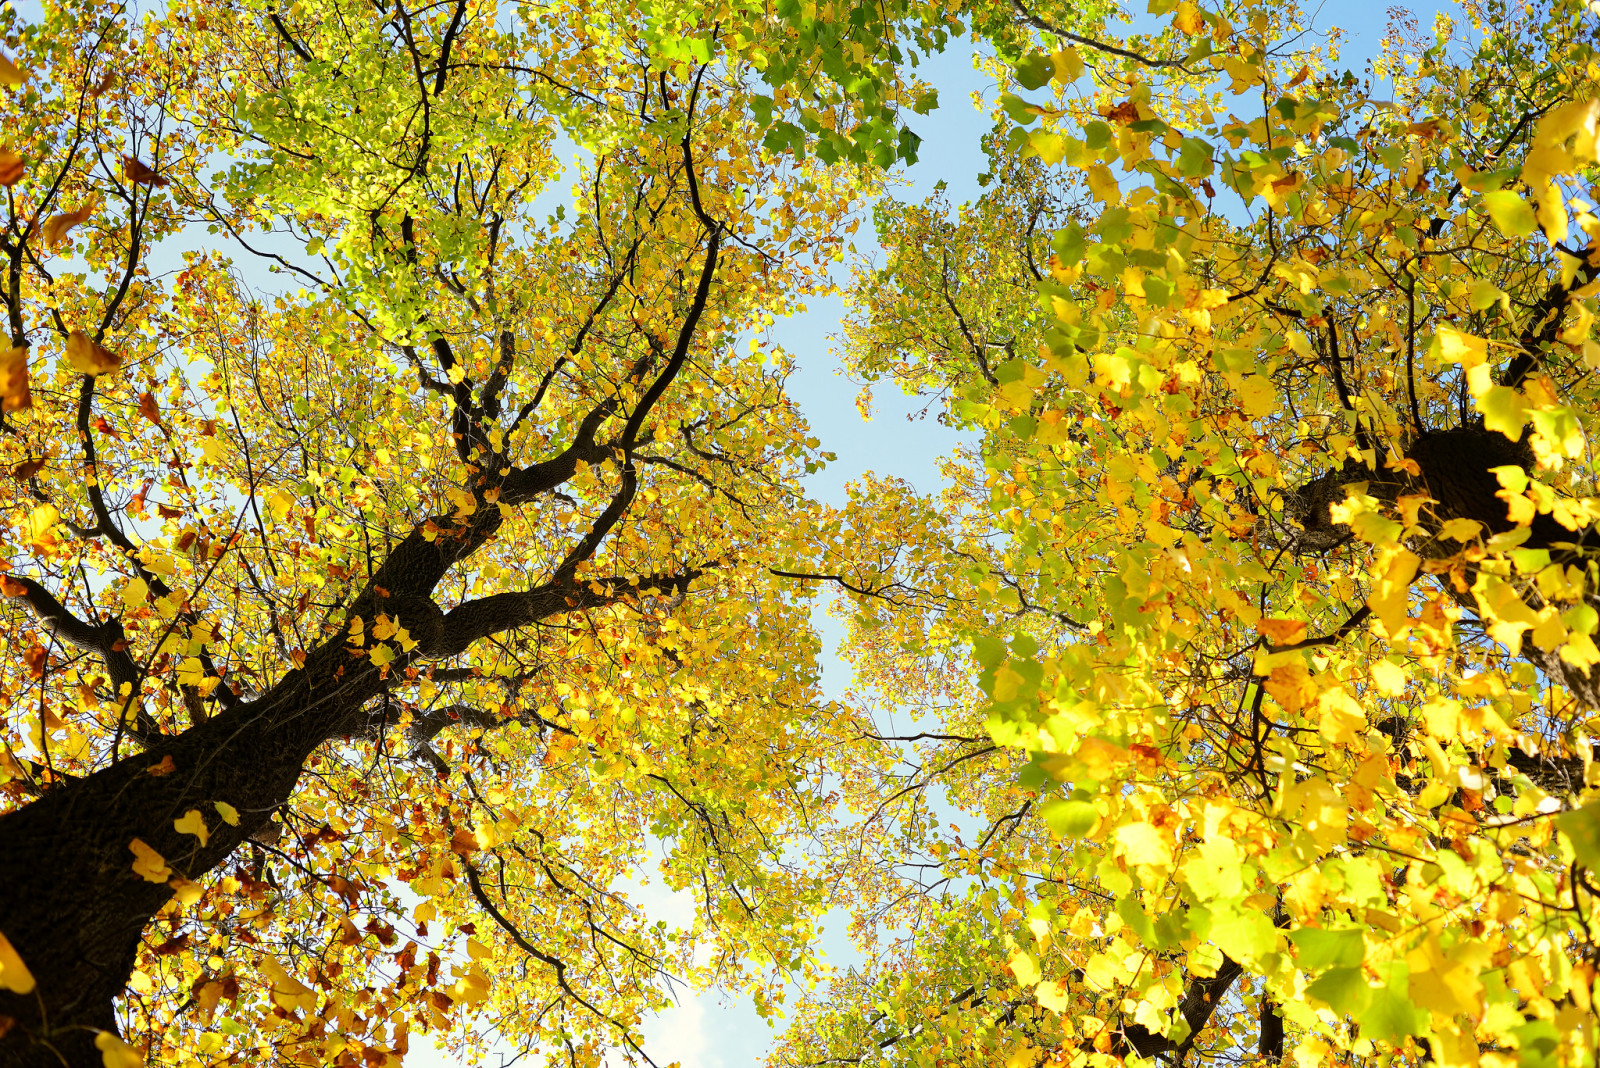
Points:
(366, 628)
(1276, 557)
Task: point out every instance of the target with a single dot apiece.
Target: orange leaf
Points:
(107, 83)
(1282, 631)
(14, 393)
(1127, 111)
(55, 228)
(148, 409)
(140, 173)
(88, 357)
(463, 841)
(11, 168)
(166, 767)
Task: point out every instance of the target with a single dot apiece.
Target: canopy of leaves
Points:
(375, 625)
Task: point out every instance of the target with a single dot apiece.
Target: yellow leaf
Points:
(1187, 18)
(1390, 590)
(1142, 843)
(1103, 185)
(1257, 396)
(1025, 966)
(186, 891)
(1068, 65)
(1452, 346)
(1459, 529)
(14, 975)
(115, 1053)
(192, 822)
(56, 228)
(148, 864)
(1390, 679)
(1510, 212)
(1052, 995)
(41, 526)
(288, 993)
(1342, 719)
(229, 814)
(11, 74)
(87, 356)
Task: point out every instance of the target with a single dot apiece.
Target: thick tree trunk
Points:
(71, 903)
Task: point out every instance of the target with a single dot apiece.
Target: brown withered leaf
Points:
(140, 173)
(107, 82)
(29, 467)
(11, 167)
(14, 392)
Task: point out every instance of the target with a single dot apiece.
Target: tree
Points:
(1276, 557)
(362, 636)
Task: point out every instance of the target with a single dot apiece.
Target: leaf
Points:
(87, 356)
(1188, 19)
(11, 75)
(288, 992)
(1510, 213)
(147, 863)
(11, 168)
(28, 468)
(1344, 990)
(56, 228)
(14, 974)
(1282, 631)
(1319, 949)
(1025, 966)
(139, 173)
(1582, 828)
(115, 1053)
(229, 814)
(14, 393)
(192, 822)
(1070, 819)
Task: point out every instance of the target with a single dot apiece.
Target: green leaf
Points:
(1319, 949)
(1582, 828)
(1344, 990)
(1035, 70)
(1070, 819)
(1390, 1015)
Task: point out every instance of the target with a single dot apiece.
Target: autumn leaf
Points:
(1282, 631)
(56, 228)
(115, 1053)
(14, 974)
(11, 167)
(14, 392)
(192, 822)
(28, 468)
(139, 173)
(147, 863)
(88, 356)
(148, 409)
(11, 75)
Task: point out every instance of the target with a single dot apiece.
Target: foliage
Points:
(1275, 558)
